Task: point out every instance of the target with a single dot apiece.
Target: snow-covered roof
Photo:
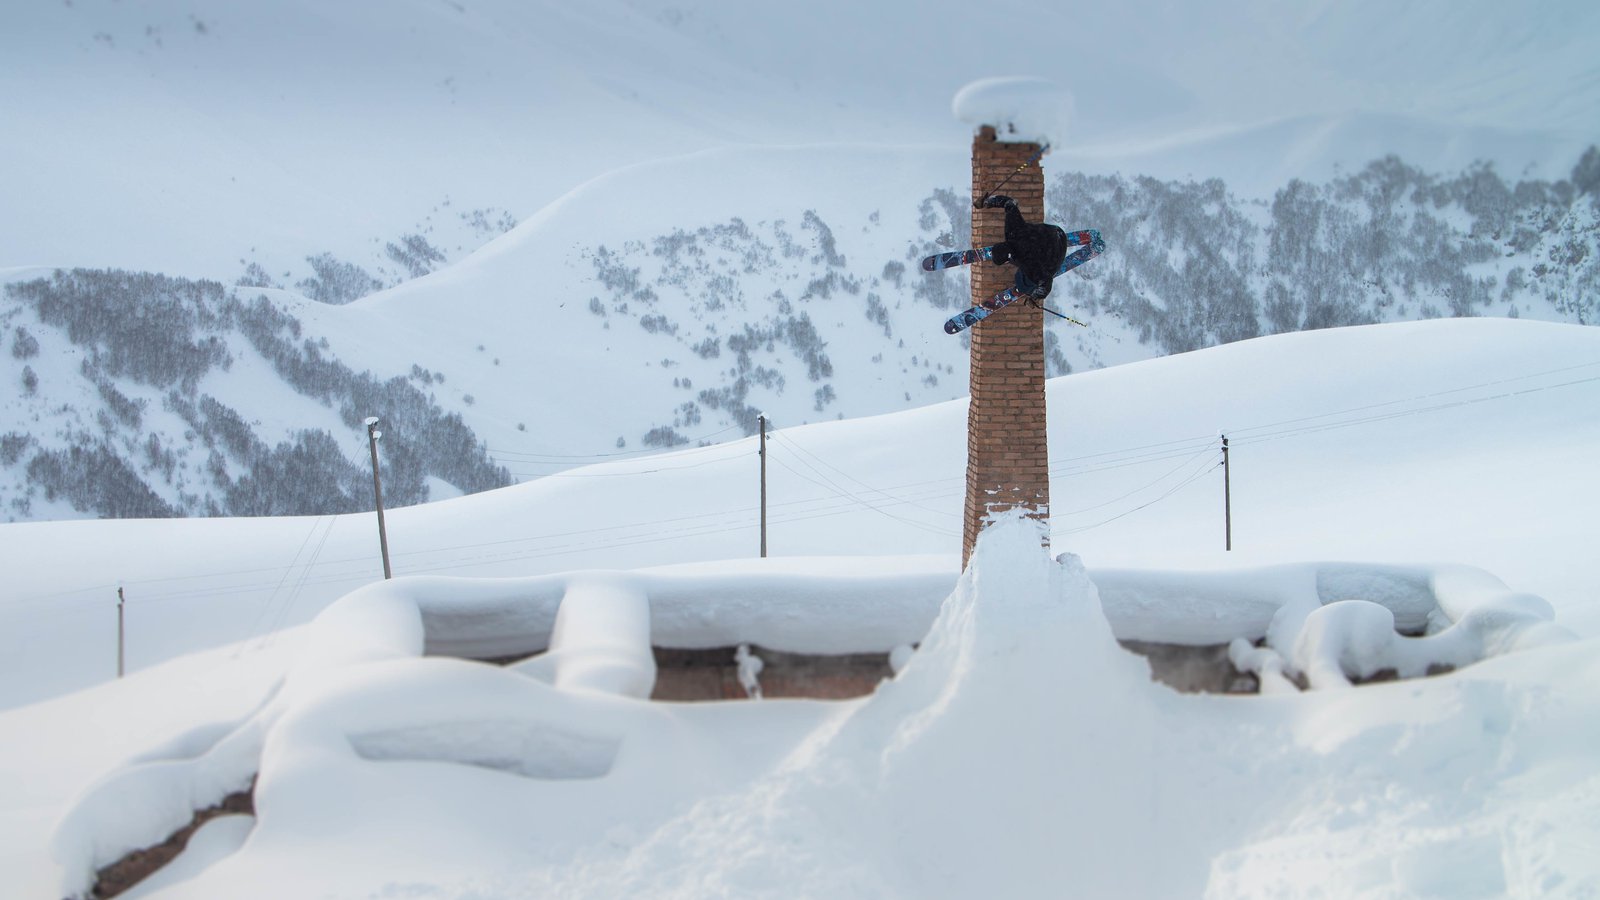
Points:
(1019, 663)
(1022, 109)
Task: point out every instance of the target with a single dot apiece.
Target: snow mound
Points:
(1019, 706)
(1021, 109)
(1465, 615)
(1021, 669)
(214, 840)
(1017, 676)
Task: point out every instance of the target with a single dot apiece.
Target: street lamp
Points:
(377, 491)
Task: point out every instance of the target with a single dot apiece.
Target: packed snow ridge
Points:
(1019, 662)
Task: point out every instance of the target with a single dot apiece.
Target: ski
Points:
(1083, 238)
(965, 320)
(957, 258)
(1090, 245)
(982, 311)
(1086, 237)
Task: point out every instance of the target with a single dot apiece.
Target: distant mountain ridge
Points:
(144, 395)
(157, 444)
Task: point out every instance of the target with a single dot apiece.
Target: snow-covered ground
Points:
(1434, 477)
(1434, 473)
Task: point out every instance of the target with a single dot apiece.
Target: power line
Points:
(1191, 479)
(305, 573)
(558, 458)
(858, 501)
(1134, 460)
(266, 606)
(789, 441)
(1210, 451)
(842, 500)
(1111, 459)
(632, 474)
(1310, 428)
(1430, 396)
(1177, 444)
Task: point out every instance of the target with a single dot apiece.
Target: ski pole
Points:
(978, 204)
(1054, 313)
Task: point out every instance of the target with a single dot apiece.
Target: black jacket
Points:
(1037, 249)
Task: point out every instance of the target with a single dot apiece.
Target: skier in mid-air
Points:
(1040, 252)
(1037, 249)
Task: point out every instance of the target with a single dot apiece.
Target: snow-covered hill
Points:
(1454, 440)
(1451, 442)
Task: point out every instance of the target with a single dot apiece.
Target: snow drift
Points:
(1020, 669)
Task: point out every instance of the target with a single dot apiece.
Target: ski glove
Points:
(1001, 254)
(998, 200)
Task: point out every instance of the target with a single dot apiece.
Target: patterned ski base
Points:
(1090, 245)
(957, 258)
(977, 314)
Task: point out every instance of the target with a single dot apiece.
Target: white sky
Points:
(387, 111)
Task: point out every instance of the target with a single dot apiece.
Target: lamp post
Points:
(1227, 498)
(761, 422)
(377, 491)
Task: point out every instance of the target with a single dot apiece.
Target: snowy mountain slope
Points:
(131, 387)
(1450, 441)
(673, 302)
(401, 136)
(566, 295)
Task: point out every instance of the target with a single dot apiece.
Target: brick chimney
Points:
(1008, 463)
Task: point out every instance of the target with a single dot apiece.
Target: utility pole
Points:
(761, 420)
(377, 491)
(1227, 498)
(120, 640)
